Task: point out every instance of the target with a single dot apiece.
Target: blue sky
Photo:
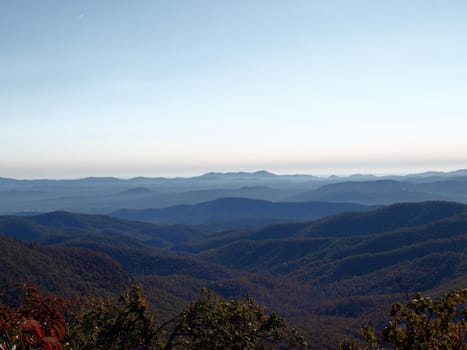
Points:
(167, 88)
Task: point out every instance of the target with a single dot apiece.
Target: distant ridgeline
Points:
(107, 195)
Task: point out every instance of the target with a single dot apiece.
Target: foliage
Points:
(423, 324)
(215, 323)
(207, 323)
(113, 324)
(38, 323)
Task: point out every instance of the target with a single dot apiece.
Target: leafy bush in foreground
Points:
(422, 324)
(38, 323)
(210, 322)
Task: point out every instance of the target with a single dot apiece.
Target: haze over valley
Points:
(230, 175)
(326, 251)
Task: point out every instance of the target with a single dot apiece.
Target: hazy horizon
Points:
(190, 175)
(155, 88)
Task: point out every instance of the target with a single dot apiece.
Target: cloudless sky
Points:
(167, 88)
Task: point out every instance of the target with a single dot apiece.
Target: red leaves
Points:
(31, 331)
(38, 322)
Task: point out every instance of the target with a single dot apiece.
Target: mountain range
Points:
(328, 252)
(327, 274)
(235, 213)
(106, 195)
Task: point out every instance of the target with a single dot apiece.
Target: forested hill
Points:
(327, 274)
(65, 271)
(351, 245)
(59, 226)
(235, 211)
(397, 217)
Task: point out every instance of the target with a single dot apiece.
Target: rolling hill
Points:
(104, 195)
(382, 244)
(388, 191)
(238, 210)
(367, 192)
(65, 271)
(327, 274)
(59, 226)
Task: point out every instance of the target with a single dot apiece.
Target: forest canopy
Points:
(212, 322)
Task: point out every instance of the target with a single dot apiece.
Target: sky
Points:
(179, 87)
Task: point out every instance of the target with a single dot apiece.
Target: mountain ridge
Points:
(104, 195)
(327, 274)
(232, 209)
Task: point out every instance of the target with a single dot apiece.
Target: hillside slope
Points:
(59, 270)
(327, 274)
(419, 244)
(370, 192)
(227, 210)
(58, 226)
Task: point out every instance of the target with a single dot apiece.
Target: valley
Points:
(326, 266)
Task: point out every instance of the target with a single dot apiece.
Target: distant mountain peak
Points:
(240, 174)
(458, 172)
(264, 173)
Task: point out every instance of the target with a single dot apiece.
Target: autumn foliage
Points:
(38, 323)
(210, 322)
(214, 323)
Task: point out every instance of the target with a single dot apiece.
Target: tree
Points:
(37, 323)
(215, 323)
(124, 323)
(210, 322)
(423, 324)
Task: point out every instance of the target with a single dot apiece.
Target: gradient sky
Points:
(167, 88)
